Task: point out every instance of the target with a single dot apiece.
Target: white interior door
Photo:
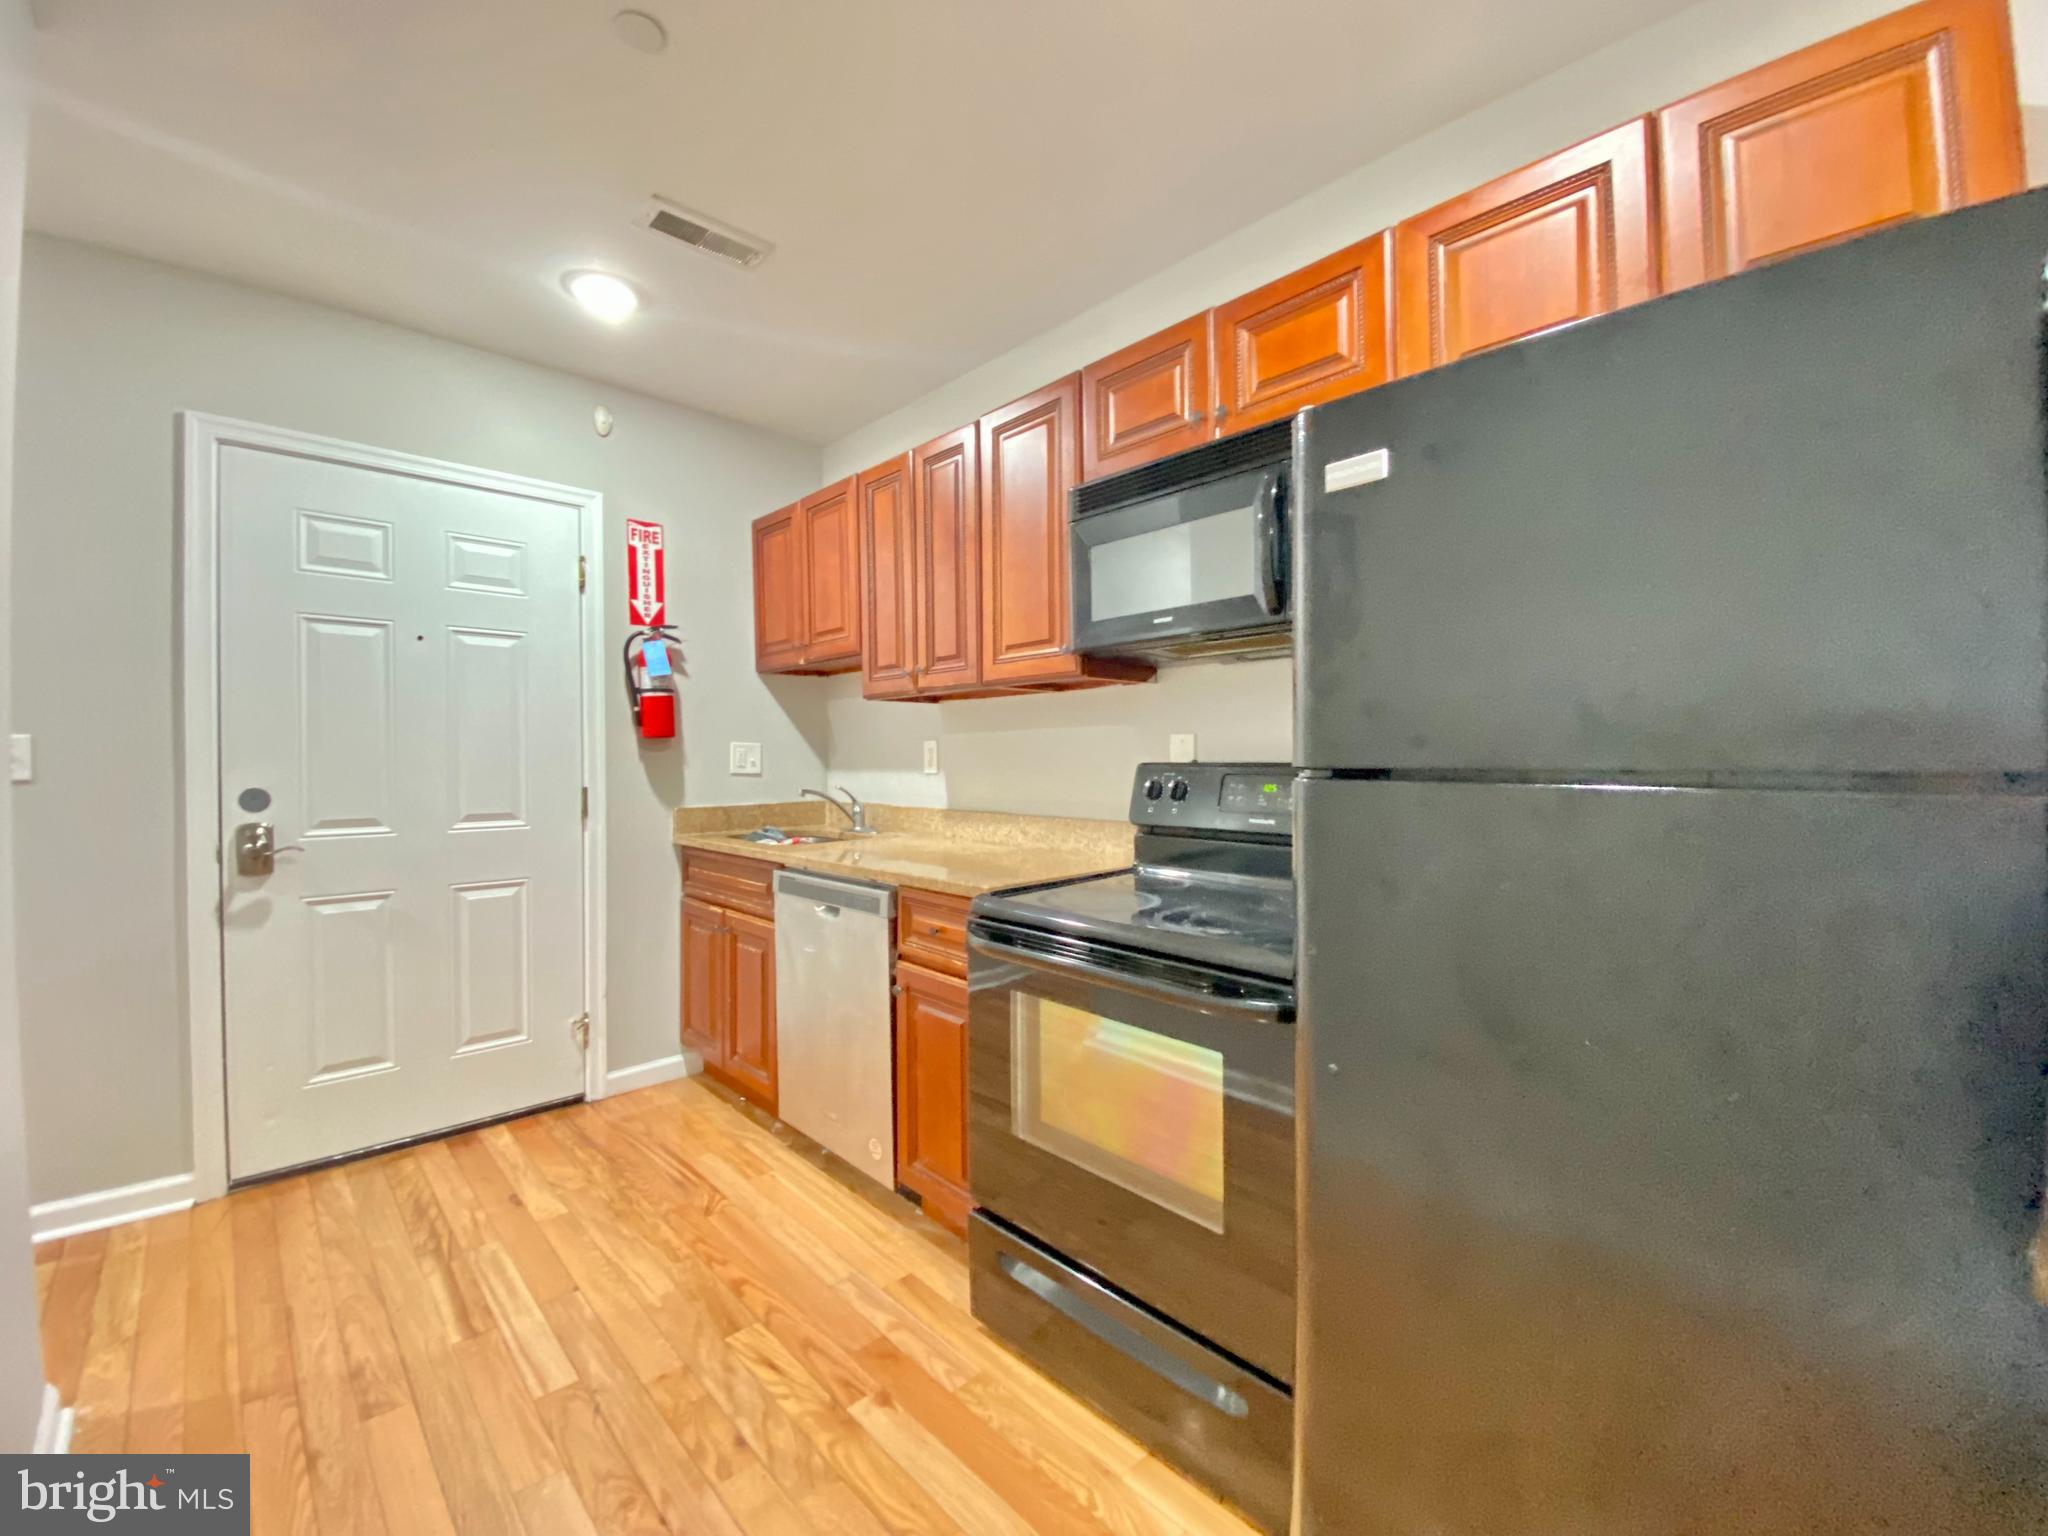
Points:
(400, 698)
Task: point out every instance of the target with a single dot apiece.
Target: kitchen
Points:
(986, 900)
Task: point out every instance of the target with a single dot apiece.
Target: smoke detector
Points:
(704, 234)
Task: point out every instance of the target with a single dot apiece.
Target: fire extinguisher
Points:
(651, 681)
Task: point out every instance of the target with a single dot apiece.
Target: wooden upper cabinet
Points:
(888, 552)
(1149, 400)
(1325, 331)
(1030, 460)
(945, 493)
(1912, 114)
(778, 592)
(1569, 237)
(831, 572)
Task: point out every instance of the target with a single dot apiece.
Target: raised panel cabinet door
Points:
(1324, 331)
(704, 982)
(931, 1092)
(831, 543)
(1030, 460)
(1572, 236)
(778, 592)
(888, 587)
(1149, 400)
(750, 999)
(1912, 114)
(945, 490)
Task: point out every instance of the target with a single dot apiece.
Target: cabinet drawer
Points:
(932, 930)
(744, 885)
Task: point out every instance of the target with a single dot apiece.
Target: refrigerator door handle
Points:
(1125, 1340)
(1270, 555)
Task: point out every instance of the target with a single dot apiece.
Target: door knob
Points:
(256, 848)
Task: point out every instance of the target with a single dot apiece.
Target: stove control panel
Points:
(1215, 797)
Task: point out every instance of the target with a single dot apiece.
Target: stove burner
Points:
(1191, 919)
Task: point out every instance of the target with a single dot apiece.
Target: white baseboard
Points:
(53, 1429)
(663, 1069)
(110, 1207)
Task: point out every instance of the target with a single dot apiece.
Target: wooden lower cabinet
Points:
(931, 1092)
(729, 996)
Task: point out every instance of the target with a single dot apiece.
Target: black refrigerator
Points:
(1670, 848)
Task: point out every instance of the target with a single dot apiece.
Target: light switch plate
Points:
(746, 758)
(931, 757)
(1180, 747)
(21, 758)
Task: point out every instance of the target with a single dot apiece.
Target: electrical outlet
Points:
(21, 759)
(931, 757)
(745, 758)
(1180, 747)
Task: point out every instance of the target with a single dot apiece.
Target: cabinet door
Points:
(750, 1002)
(945, 489)
(1313, 335)
(778, 592)
(1030, 459)
(1913, 114)
(888, 552)
(1147, 401)
(704, 982)
(1561, 240)
(931, 1092)
(831, 545)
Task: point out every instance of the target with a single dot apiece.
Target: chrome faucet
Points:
(855, 813)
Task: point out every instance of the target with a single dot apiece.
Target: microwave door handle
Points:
(1266, 533)
(1165, 991)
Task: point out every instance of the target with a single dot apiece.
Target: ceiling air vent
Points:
(713, 239)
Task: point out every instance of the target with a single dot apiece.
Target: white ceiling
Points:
(941, 179)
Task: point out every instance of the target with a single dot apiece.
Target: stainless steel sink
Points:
(781, 837)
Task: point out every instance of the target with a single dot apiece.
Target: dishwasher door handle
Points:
(824, 909)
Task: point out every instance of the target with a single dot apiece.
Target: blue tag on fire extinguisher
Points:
(654, 657)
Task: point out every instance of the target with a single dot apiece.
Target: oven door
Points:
(1141, 1126)
(1203, 561)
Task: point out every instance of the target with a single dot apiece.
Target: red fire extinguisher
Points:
(651, 662)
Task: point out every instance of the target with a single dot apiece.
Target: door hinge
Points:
(586, 802)
(582, 573)
(579, 1027)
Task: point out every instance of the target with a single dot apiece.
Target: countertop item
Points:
(964, 853)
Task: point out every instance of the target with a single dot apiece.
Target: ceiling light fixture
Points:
(640, 32)
(610, 299)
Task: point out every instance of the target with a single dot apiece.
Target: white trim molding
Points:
(663, 1069)
(53, 1428)
(201, 437)
(110, 1207)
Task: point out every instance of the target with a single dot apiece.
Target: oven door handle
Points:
(1188, 997)
(1269, 554)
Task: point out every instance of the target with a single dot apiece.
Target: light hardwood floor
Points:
(655, 1314)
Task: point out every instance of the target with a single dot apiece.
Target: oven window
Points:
(1209, 560)
(1140, 1109)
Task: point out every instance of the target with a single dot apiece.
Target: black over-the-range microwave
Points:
(1186, 556)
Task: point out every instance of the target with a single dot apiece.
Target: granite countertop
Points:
(962, 853)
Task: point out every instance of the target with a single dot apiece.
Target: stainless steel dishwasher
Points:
(833, 1036)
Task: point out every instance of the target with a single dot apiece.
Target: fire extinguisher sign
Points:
(645, 585)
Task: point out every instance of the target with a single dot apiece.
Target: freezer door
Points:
(1794, 520)
(1670, 1161)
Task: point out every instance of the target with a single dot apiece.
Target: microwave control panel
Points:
(1215, 797)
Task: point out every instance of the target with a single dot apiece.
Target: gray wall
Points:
(112, 349)
(21, 1354)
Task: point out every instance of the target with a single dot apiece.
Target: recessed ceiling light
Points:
(609, 298)
(640, 32)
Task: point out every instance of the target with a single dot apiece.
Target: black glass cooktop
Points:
(1233, 921)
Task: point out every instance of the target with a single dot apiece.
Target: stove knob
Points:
(1179, 788)
(1154, 788)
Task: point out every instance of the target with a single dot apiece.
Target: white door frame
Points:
(201, 437)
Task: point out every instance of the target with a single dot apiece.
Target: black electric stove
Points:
(1131, 1127)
